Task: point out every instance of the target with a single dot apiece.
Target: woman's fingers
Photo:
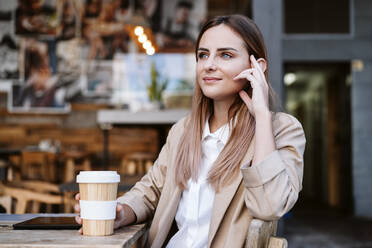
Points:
(256, 65)
(245, 97)
(258, 83)
(247, 74)
(119, 216)
(119, 211)
(243, 74)
(247, 100)
(258, 73)
(119, 207)
(77, 208)
(78, 220)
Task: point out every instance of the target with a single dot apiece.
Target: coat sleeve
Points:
(143, 198)
(273, 185)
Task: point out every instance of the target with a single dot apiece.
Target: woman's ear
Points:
(263, 64)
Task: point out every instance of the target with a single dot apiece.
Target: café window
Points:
(317, 16)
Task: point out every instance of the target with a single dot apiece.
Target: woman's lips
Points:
(211, 79)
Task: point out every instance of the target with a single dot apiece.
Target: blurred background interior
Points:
(96, 85)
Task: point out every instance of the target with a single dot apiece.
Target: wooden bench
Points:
(261, 234)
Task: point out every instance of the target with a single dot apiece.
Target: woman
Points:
(230, 160)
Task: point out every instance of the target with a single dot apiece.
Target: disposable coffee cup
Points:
(98, 192)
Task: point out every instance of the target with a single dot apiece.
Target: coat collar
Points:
(221, 134)
(223, 198)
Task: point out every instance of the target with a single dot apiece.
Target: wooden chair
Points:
(14, 171)
(6, 202)
(71, 165)
(34, 192)
(49, 188)
(261, 234)
(38, 165)
(136, 163)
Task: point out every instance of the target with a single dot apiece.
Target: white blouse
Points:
(196, 203)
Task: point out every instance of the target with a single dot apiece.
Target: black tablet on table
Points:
(48, 223)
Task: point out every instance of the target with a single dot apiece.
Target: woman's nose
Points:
(210, 64)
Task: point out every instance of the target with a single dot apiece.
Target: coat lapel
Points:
(167, 218)
(223, 198)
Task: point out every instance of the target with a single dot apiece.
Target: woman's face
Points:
(221, 56)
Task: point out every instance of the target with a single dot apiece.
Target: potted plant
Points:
(156, 88)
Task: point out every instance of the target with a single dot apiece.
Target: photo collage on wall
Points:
(61, 51)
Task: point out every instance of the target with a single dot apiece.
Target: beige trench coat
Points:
(266, 191)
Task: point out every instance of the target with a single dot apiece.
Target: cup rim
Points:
(98, 177)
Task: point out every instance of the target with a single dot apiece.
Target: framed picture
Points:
(181, 22)
(25, 99)
(8, 42)
(97, 78)
(68, 56)
(9, 67)
(36, 17)
(104, 27)
(68, 19)
(40, 89)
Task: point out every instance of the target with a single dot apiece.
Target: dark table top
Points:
(6, 152)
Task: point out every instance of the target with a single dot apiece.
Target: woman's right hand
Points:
(119, 220)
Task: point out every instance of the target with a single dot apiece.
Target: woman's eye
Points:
(226, 56)
(202, 55)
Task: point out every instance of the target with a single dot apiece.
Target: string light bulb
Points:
(150, 51)
(147, 44)
(138, 30)
(142, 38)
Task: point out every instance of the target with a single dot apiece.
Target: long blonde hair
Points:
(226, 166)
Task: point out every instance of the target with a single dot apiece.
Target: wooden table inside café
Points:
(123, 237)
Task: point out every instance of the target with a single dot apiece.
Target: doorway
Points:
(318, 95)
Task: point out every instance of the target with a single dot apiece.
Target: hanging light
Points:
(147, 44)
(138, 30)
(150, 51)
(142, 38)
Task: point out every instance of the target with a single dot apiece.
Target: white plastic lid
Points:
(98, 177)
